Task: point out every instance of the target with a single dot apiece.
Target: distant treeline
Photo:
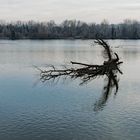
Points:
(69, 29)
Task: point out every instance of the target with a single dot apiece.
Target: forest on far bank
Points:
(70, 29)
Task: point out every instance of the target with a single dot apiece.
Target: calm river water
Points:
(32, 110)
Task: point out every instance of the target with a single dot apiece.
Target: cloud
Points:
(134, 7)
(86, 10)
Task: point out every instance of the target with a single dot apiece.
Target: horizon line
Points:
(53, 20)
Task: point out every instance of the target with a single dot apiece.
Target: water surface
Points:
(33, 110)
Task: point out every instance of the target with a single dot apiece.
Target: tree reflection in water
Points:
(111, 82)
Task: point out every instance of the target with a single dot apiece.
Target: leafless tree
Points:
(88, 72)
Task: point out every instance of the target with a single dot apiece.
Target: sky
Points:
(114, 11)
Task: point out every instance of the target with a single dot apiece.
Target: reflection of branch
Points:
(87, 72)
(111, 83)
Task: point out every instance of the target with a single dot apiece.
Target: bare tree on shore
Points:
(70, 29)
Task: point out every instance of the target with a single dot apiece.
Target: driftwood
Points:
(87, 72)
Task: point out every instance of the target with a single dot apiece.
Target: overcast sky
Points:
(58, 10)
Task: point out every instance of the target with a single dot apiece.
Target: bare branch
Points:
(88, 72)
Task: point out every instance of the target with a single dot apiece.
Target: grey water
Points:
(32, 110)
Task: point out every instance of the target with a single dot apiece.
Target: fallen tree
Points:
(87, 72)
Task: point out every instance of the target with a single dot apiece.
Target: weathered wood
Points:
(87, 72)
